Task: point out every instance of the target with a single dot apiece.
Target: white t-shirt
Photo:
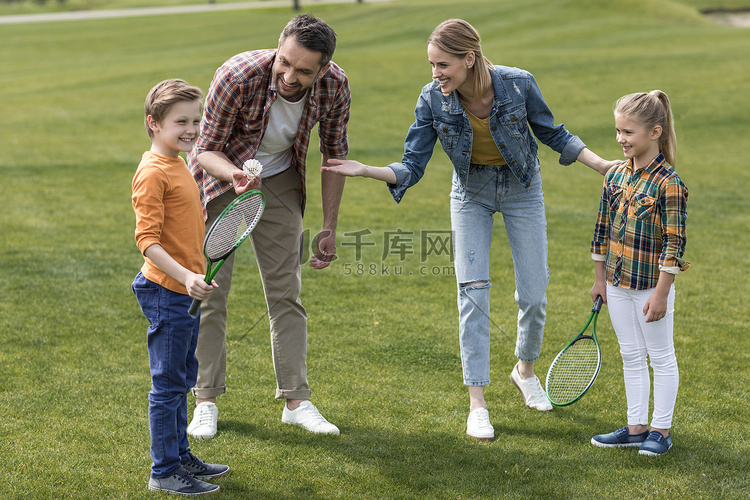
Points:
(275, 151)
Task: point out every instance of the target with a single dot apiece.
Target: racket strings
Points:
(573, 371)
(233, 227)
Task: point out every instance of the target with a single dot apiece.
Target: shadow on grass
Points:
(532, 455)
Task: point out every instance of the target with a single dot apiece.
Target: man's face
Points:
(296, 69)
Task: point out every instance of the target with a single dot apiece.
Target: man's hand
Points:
(326, 244)
(242, 184)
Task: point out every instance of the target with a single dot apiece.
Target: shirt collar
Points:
(652, 167)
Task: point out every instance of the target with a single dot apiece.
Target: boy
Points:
(169, 232)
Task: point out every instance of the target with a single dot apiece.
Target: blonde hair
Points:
(458, 38)
(166, 94)
(652, 109)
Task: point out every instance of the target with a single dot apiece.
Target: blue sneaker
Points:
(619, 439)
(656, 444)
(181, 482)
(203, 471)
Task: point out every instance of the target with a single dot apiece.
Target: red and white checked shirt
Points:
(236, 116)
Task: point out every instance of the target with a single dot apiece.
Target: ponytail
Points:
(652, 109)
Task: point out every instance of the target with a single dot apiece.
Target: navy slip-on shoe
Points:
(619, 439)
(656, 444)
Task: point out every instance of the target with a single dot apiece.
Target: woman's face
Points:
(450, 71)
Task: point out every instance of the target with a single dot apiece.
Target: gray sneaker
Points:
(182, 483)
(203, 471)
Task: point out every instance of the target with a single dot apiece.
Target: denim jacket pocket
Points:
(448, 133)
(514, 121)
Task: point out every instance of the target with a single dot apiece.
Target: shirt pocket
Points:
(643, 207)
(251, 118)
(448, 133)
(614, 195)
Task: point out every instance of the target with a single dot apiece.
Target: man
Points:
(263, 104)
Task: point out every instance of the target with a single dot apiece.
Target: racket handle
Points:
(597, 304)
(194, 307)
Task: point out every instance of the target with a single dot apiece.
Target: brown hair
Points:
(652, 109)
(166, 94)
(458, 38)
(313, 34)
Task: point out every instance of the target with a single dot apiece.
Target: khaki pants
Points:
(277, 243)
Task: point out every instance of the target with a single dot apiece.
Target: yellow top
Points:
(483, 148)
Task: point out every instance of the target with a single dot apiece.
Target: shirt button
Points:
(513, 119)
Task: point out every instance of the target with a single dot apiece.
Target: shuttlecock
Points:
(252, 169)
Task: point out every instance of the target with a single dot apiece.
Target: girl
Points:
(638, 246)
(484, 116)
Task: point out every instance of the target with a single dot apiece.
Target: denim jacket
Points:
(518, 105)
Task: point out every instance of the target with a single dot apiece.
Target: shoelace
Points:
(483, 419)
(315, 414)
(196, 463)
(204, 417)
(186, 478)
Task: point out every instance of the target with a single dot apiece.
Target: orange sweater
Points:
(168, 211)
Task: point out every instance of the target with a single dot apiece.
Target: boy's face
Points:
(296, 69)
(179, 129)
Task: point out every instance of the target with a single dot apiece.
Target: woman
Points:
(483, 116)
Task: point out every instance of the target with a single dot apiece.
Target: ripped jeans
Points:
(489, 190)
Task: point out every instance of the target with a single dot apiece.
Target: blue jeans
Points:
(492, 189)
(172, 335)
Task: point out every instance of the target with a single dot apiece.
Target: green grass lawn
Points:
(383, 348)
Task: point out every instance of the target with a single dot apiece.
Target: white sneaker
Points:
(308, 417)
(205, 421)
(478, 425)
(531, 390)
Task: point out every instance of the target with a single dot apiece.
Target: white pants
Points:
(639, 339)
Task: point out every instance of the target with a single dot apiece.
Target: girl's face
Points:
(451, 72)
(638, 142)
(179, 129)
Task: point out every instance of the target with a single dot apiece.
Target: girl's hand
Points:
(348, 168)
(656, 307)
(600, 283)
(599, 289)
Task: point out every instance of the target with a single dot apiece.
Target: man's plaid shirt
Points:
(641, 224)
(237, 110)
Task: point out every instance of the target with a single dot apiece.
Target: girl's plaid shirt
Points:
(641, 224)
(236, 116)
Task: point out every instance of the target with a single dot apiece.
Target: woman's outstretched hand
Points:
(348, 168)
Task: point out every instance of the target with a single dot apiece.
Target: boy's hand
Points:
(197, 287)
